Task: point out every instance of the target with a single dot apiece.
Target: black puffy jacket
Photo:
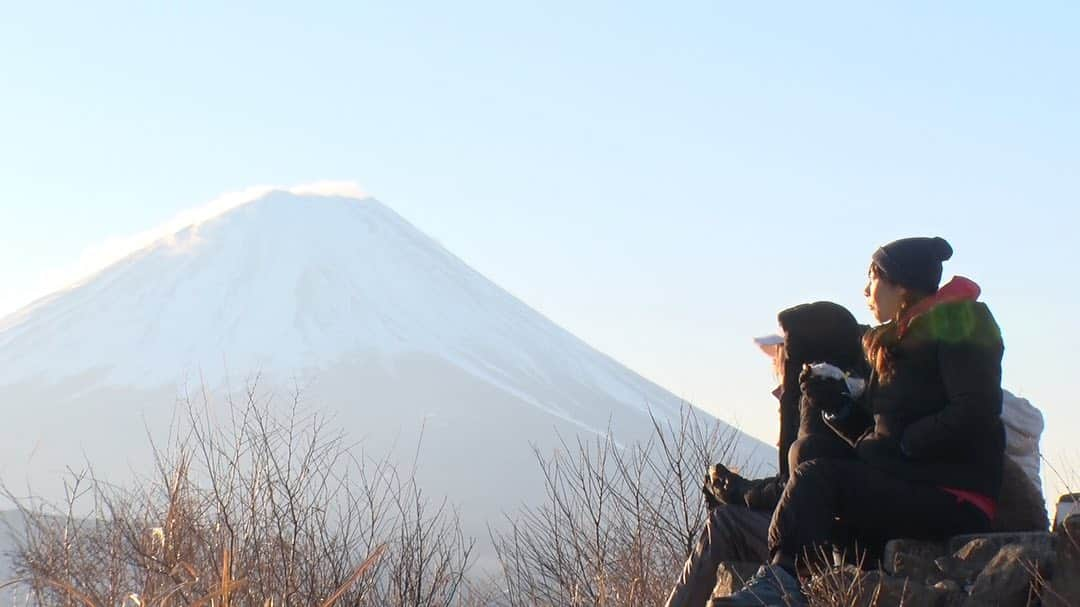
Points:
(937, 418)
(821, 331)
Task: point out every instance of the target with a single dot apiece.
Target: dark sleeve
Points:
(851, 423)
(764, 493)
(969, 357)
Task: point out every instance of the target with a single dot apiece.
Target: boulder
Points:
(1009, 578)
(954, 594)
(879, 589)
(965, 564)
(915, 548)
(916, 567)
(1064, 587)
(1039, 540)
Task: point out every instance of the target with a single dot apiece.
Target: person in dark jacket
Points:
(740, 509)
(927, 432)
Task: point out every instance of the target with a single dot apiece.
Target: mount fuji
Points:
(384, 328)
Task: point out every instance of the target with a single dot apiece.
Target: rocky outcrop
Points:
(993, 570)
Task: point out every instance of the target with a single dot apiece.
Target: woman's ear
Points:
(904, 297)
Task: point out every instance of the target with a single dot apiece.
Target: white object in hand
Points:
(855, 385)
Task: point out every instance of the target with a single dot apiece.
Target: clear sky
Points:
(659, 178)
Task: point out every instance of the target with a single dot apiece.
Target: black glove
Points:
(828, 394)
(722, 486)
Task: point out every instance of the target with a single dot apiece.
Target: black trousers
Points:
(824, 494)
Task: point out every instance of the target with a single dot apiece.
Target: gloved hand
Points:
(722, 486)
(826, 391)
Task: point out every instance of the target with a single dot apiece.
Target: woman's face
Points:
(883, 297)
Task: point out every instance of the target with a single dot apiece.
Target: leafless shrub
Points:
(618, 521)
(1067, 476)
(259, 508)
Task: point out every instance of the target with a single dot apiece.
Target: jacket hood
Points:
(821, 332)
(957, 289)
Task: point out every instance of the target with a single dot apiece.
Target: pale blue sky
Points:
(659, 178)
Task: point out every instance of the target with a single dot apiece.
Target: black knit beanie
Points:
(914, 263)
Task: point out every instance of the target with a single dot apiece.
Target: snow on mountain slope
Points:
(385, 329)
(290, 283)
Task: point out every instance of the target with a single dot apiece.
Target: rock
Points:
(916, 548)
(1008, 579)
(916, 567)
(850, 586)
(948, 586)
(965, 564)
(954, 594)
(731, 575)
(1039, 540)
(881, 590)
(1064, 587)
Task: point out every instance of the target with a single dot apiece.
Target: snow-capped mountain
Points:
(382, 326)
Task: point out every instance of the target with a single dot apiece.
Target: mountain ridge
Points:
(400, 341)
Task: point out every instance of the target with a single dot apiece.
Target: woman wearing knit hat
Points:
(927, 430)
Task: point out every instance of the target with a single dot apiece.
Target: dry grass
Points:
(259, 507)
(618, 522)
(251, 507)
(1067, 477)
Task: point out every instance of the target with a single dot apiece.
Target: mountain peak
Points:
(291, 283)
(284, 280)
(385, 329)
(283, 212)
(283, 199)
